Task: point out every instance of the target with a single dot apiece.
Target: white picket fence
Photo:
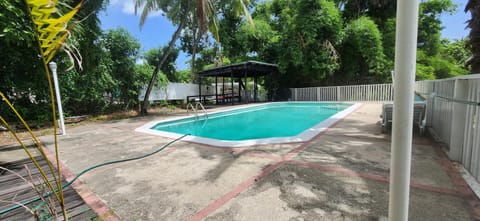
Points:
(371, 92)
(453, 111)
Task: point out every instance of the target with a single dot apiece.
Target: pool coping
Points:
(306, 135)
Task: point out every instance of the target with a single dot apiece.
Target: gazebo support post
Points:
(232, 88)
(223, 89)
(216, 89)
(200, 88)
(254, 89)
(247, 99)
(239, 90)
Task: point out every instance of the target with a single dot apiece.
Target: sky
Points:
(157, 30)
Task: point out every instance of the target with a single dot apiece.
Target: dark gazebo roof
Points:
(243, 69)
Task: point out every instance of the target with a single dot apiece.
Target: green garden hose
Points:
(87, 170)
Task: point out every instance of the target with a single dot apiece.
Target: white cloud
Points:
(128, 7)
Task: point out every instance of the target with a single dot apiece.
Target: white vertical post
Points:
(338, 93)
(405, 54)
(53, 67)
(459, 113)
(318, 95)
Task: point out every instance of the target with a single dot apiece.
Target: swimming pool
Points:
(270, 123)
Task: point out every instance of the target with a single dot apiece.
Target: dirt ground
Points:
(341, 174)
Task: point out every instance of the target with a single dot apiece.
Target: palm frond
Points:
(241, 7)
(51, 31)
(50, 25)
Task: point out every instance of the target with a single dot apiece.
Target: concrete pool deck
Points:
(341, 174)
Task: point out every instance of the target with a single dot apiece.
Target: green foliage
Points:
(145, 73)
(15, 25)
(430, 25)
(183, 76)
(424, 72)
(113, 81)
(207, 57)
(308, 43)
(154, 55)
(456, 51)
(388, 39)
(376, 9)
(441, 66)
(21, 73)
(109, 77)
(22, 78)
(85, 93)
(361, 52)
(254, 40)
(123, 51)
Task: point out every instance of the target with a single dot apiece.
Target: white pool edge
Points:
(302, 137)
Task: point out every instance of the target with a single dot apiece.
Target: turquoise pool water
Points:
(419, 98)
(264, 121)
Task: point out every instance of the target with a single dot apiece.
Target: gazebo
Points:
(240, 71)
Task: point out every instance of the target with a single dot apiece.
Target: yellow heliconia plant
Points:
(51, 31)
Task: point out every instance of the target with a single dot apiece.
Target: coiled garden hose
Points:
(87, 170)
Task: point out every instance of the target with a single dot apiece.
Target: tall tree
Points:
(379, 10)
(430, 25)
(311, 32)
(361, 54)
(123, 50)
(153, 56)
(473, 6)
(178, 11)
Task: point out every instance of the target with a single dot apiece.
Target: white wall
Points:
(176, 91)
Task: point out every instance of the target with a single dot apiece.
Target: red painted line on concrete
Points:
(260, 155)
(434, 188)
(294, 152)
(291, 154)
(460, 185)
(103, 212)
(237, 190)
(374, 177)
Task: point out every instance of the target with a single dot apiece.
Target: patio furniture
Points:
(419, 116)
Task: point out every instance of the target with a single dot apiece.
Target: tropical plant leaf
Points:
(51, 30)
(51, 26)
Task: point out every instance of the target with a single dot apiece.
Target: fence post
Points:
(318, 94)
(338, 93)
(458, 120)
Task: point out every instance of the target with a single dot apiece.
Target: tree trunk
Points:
(196, 40)
(473, 38)
(143, 110)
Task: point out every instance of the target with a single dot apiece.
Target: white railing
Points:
(453, 117)
(371, 92)
(453, 111)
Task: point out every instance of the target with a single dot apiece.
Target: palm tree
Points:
(179, 11)
(474, 37)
